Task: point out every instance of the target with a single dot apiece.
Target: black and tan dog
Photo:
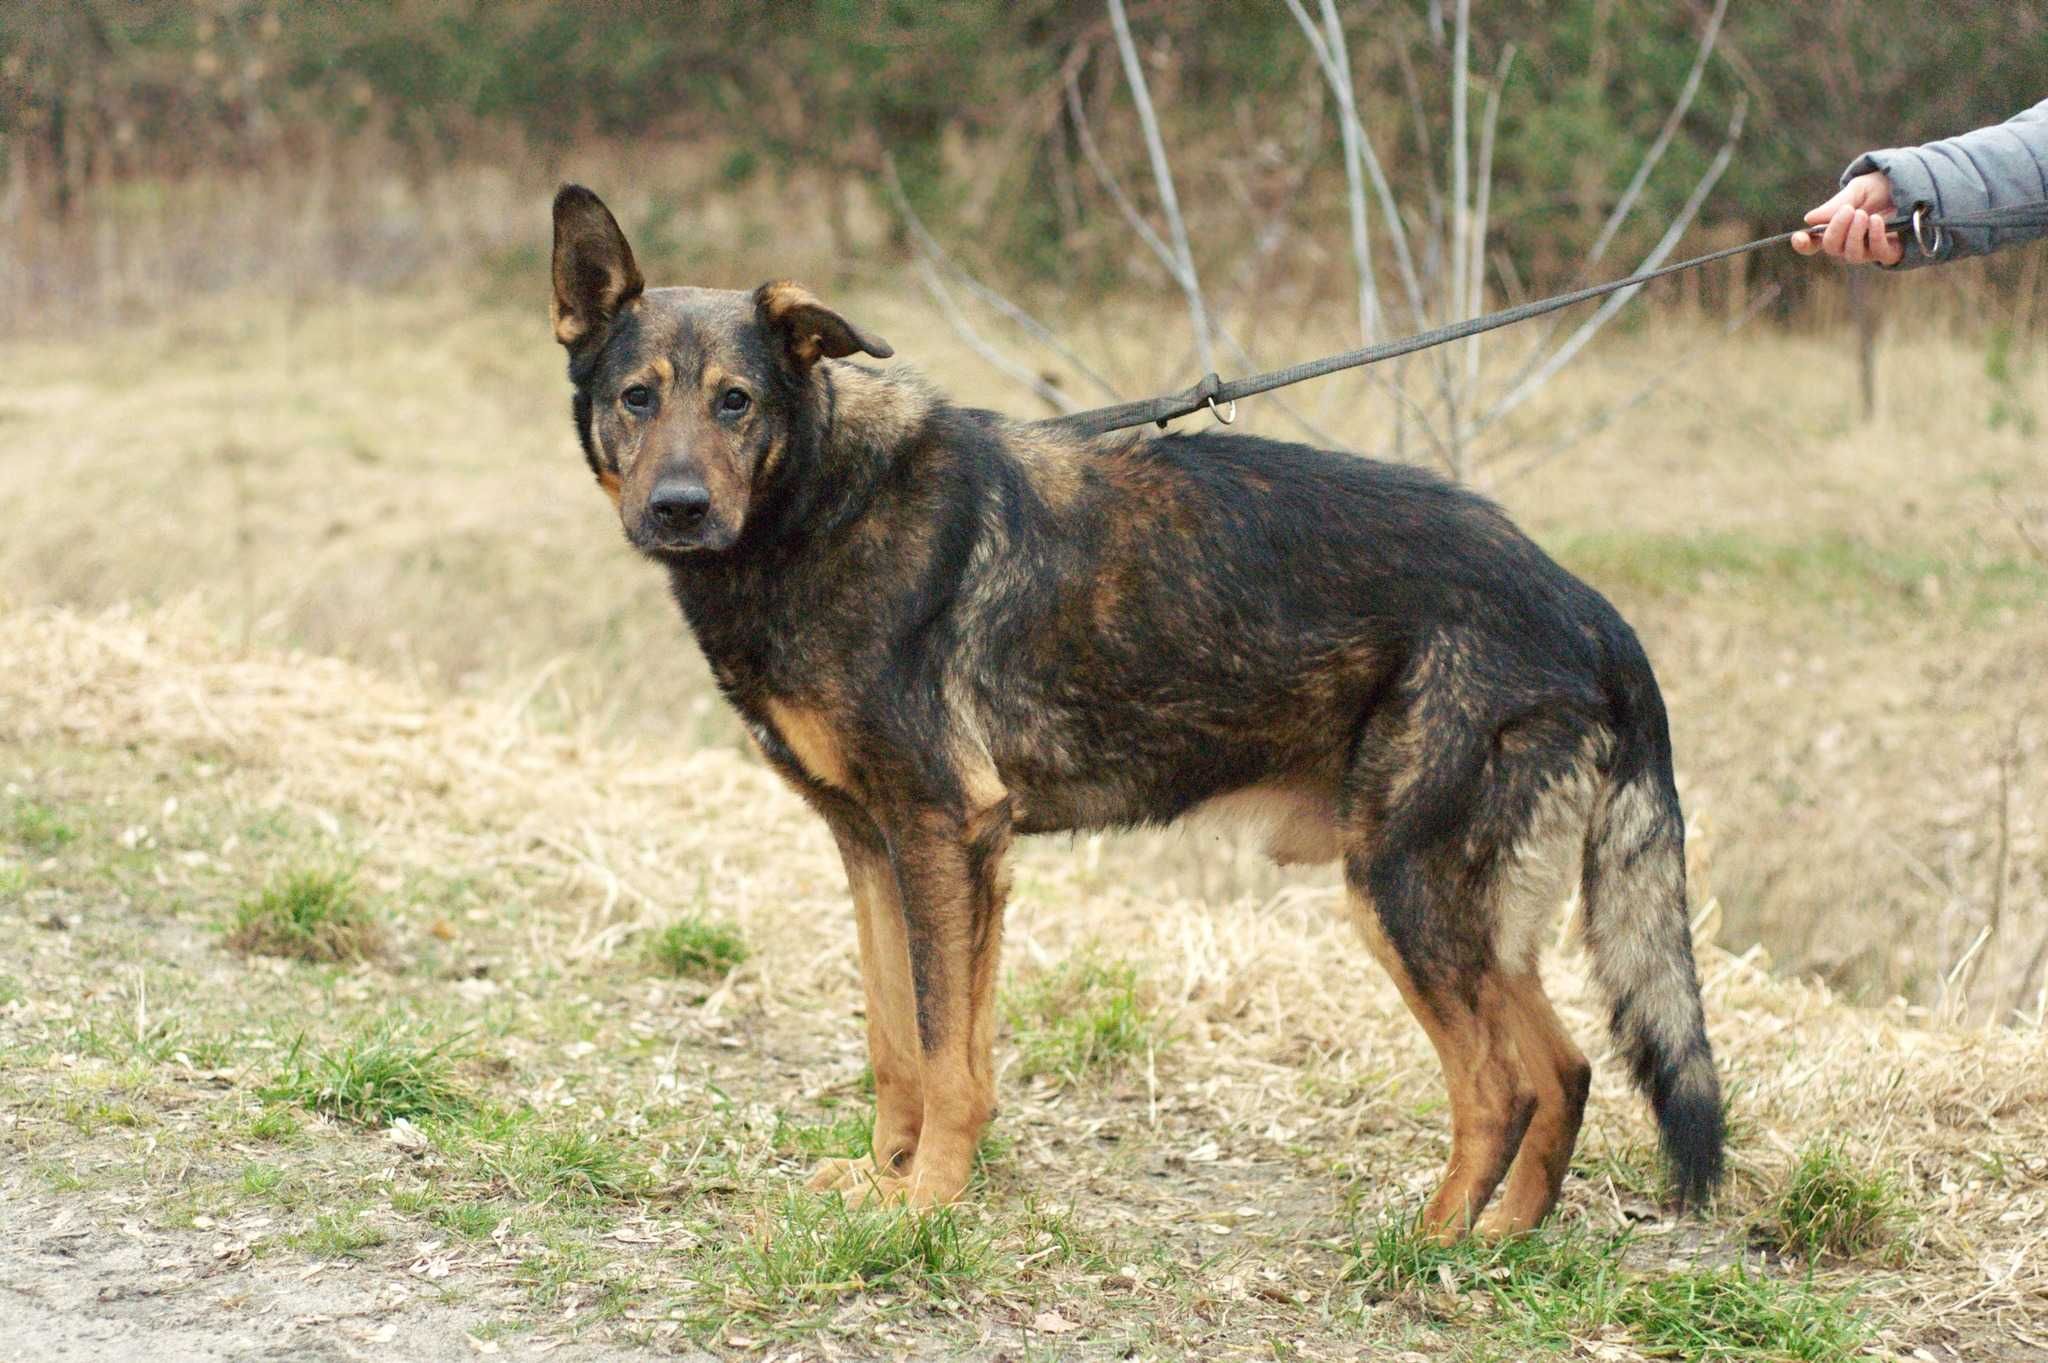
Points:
(946, 628)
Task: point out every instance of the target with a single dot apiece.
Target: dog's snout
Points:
(679, 505)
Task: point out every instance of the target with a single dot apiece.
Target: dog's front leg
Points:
(893, 1051)
(950, 873)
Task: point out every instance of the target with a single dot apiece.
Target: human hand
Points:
(1855, 218)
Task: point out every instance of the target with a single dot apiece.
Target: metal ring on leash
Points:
(1932, 252)
(1226, 420)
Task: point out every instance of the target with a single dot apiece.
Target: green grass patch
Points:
(90, 1118)
(338, 1235)
(822, 1249)
(123, 1037)
(1547, 1289)
(1734, 1313)
(1085, 1015)
(846, 1137)
(274, 1123)
(374, 1079)
(1832, 1207)
(696, 947)
(539, 1164)
(38, 829)
(10, 990)
(261, 1180)
(470, 1220)
(1831, 568)
(309, 916)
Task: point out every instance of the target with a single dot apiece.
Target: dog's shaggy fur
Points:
(946, 628)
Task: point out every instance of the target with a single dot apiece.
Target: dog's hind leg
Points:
(1557, 1073)
(1466, 1013)
(891, 1011)
(1446, 814)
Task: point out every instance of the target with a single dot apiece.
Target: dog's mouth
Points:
(709, 539)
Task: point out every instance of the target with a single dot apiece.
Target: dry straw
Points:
(1285, 1037)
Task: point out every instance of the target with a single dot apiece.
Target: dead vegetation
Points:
(1849, 621)
(394, 934)
(560, 1143)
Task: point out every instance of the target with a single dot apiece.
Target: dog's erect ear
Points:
(810, 329)
(594, 271)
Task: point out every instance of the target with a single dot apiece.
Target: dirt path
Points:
(83, 1283)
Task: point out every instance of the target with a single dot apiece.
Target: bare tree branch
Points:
(1335, 59)
(1461, 205)
(1564, 354)
(1030, 325)
(1023, 374)
(1601, 420)
(1111, 185)
(1627, 202)
(1162, 175)
(1475, 273)
(1333, 55)
(1625, 205)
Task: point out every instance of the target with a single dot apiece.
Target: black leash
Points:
(1928, 230)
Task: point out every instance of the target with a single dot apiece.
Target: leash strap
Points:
(1213, 390)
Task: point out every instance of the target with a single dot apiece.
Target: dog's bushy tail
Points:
(1638, 933)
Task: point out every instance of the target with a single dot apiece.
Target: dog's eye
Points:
(638, 398)
(733, 401)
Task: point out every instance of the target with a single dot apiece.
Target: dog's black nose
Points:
(679, 506)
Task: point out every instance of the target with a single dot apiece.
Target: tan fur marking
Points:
(569, 328)
(609, 481)
(810, 735)
(1491, 1103)
(1050, 463)
(781, 300)
(1557, 1074)
(876, 410)
(892, 1009)
(1298, 826)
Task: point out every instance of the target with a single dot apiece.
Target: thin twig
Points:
(1023, 374)
(2019, 524)
(1333, 55)
(1625, 205)
(2002, 863)
(1025, 322)
(1461, 189)
(1162, 175)
(1607, 416)
(1565, 353)
(1335, 59)
(1475, 273)
(1107, 178)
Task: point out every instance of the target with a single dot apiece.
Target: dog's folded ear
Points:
(809, 329)
(594, 271)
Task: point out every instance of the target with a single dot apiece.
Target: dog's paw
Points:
(879, 1190)
(843, 1175)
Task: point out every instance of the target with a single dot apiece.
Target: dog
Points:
(946, 629)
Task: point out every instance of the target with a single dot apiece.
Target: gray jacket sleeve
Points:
(1996, 167)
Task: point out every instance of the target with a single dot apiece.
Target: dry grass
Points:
(600, 1137)
(1849, 621)
(368, 617)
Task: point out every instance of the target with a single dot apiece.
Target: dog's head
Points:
(686, 399)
